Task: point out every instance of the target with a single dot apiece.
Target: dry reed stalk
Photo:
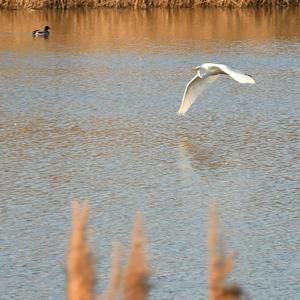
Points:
(132, 284)
(114, 288)
(220, 264)
(136, 273)
(80, 281)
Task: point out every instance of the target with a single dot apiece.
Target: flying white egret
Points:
(206, 75)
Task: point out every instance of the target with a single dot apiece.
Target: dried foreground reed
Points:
(131, 283)
(136, 271)
(220, 264)
(80, 265)
(64, 4)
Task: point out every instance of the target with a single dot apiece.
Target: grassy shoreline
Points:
(141, 4)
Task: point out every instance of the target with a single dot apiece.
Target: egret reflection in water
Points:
(195, 157)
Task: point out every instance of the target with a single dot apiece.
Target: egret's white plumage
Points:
(206, 75)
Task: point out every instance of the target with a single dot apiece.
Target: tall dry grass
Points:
(136, 272)
(142, 4)
(131, 282)
(220, 264)
(114, 289)
(80, 281)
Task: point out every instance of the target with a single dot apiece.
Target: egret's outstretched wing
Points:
(235, 74)
(193, 89)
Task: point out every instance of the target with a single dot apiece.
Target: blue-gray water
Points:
(90, 113)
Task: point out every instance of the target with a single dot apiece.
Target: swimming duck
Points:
(39, 32)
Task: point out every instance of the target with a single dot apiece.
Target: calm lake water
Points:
(90, 113)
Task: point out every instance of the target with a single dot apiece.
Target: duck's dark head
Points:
(47, 28)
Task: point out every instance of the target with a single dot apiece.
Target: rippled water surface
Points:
(90, 113)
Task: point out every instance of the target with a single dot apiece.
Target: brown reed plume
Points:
(114, 288)
(136, 272)
(220, 264)
(130, 284)
(80, 281)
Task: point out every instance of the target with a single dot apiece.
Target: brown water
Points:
(90, 113)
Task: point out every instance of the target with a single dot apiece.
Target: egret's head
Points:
(201, 71)
(197, 68)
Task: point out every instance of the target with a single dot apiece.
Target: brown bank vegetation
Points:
(127, 283)
(131, 282)
(63, 4)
